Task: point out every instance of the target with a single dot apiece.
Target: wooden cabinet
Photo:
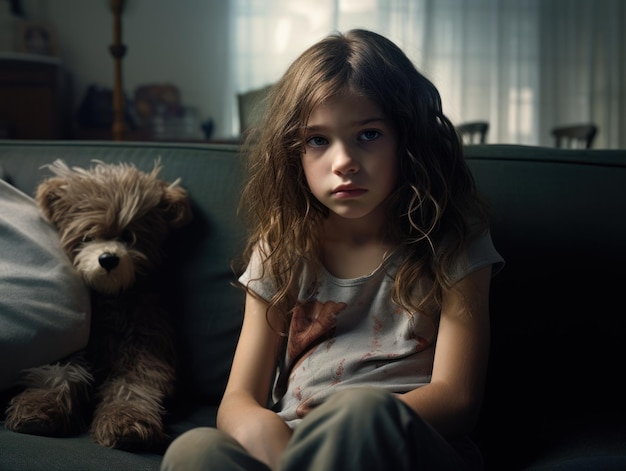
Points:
(35, 97)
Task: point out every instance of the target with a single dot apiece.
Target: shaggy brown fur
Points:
(112, 220)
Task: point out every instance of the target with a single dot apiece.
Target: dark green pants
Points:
(357, 429)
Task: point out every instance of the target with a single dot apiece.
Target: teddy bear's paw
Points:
(42, 412)
(127, 426)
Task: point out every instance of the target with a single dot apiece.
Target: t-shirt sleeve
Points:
(255, 278)
(480, 253)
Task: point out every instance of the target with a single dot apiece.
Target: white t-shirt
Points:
(348, 332)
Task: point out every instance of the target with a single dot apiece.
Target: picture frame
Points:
(36, 37)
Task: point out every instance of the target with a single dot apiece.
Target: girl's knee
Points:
(185, 452)
(208, 449)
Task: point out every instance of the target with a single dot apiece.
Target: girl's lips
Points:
(348, 192)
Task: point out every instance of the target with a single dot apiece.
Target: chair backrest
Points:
(251, 106)
(579, 136)
(474, 132)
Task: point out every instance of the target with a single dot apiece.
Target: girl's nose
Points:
(344, 162)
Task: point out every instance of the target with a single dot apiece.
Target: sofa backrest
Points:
(557, 310)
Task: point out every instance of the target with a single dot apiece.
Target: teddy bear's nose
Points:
(108, 261)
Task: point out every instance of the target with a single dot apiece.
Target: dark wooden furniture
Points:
(35, 97)
(473, 132)
(579, 136)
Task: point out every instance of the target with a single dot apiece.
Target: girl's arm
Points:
(243, 412)
(452, 400)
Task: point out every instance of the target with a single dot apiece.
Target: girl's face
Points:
(350, 159)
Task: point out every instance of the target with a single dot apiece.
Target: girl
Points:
(367, 274)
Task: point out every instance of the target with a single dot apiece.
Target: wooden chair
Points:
(251, 106)
(474, 132)
(578, 136)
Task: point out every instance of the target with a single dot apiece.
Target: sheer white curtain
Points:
(523, 65)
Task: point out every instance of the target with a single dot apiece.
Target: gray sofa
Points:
(555, 393)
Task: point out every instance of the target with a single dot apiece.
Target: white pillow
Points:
(44, 303)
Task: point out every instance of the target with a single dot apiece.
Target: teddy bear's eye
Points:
(127, 236)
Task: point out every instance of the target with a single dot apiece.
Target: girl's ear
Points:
(176, 207)
(49, 198)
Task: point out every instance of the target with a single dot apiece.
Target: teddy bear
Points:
(112, 221)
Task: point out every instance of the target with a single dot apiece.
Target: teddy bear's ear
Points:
(176, 206)
(49, 194)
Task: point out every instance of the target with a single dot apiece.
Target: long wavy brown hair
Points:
(433, 212)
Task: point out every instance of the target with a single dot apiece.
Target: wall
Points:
(184, 42)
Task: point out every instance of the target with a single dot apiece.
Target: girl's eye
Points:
(369, 135)
(317, 141)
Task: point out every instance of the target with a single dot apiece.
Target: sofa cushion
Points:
(21, 452)
(44, 303)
